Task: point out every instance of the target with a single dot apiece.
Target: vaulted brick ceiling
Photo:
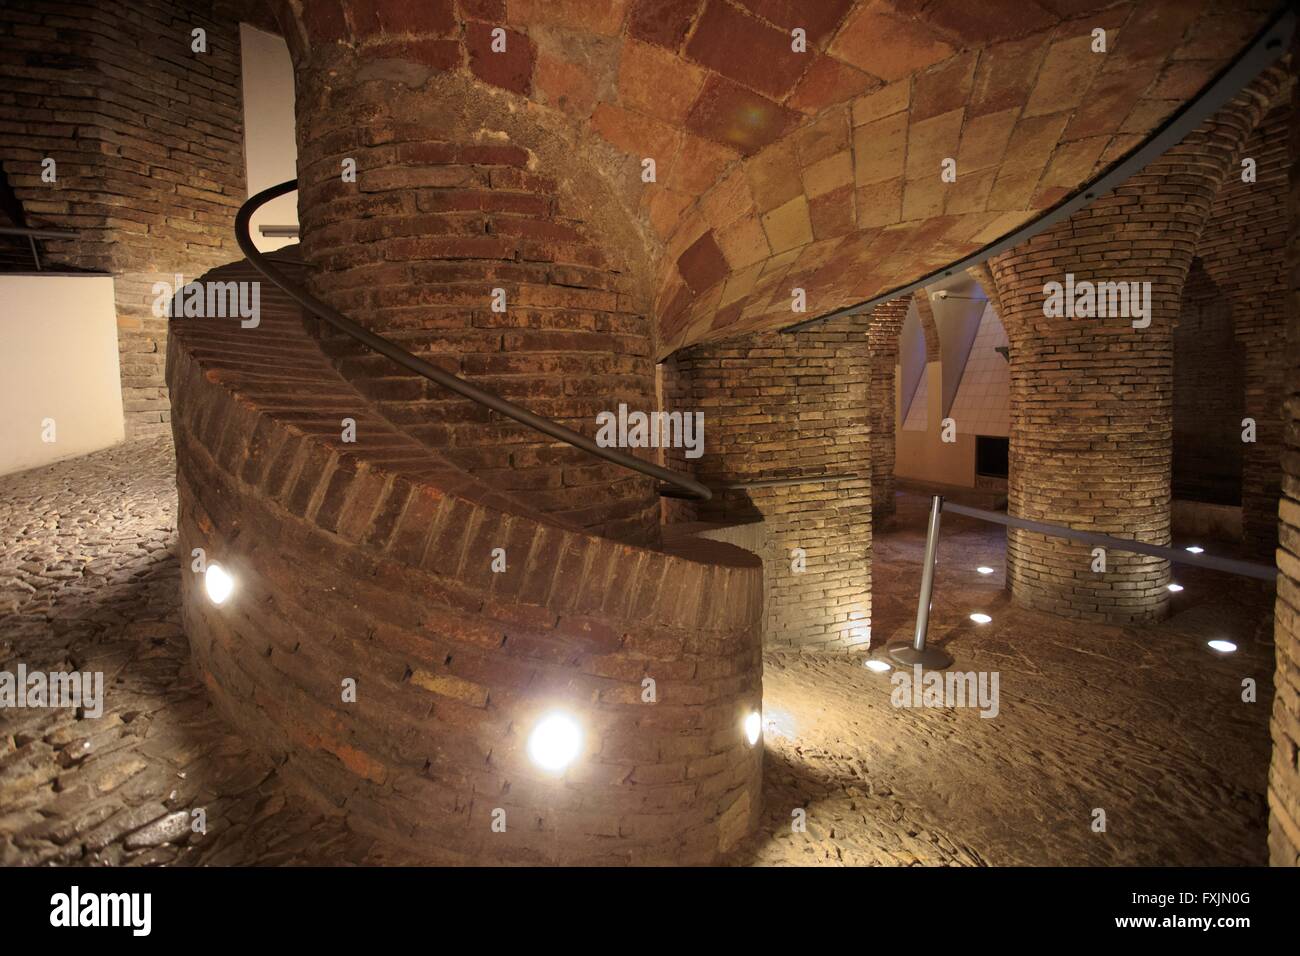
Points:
(778, 169)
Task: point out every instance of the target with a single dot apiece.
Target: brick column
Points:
(882, 345)
(485, 245)
(1244, 251)
(779, 406)
(1284, 770)
(1091, 409)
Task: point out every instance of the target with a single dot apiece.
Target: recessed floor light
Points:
(1195, 550)
(555, 742)
(878, 666)
(217, 583)
(1174, 587)
(1223, 647)
(984, 570)
(980, 618)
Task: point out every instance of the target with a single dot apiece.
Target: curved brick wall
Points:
(1091, 398)
(372, 561)
(441, 214)
(1284, 769)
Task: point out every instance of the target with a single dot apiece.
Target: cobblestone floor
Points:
(88, 581)
(1143, 723)
(1146, 724)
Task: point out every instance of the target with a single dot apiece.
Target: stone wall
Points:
(780, 406)
(146, 135)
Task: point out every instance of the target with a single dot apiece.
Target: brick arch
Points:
(983, 276)
(820, 169)
(1209, 393)
(847, 206)
(1091, 398)
(929, 329)
(1243, 250)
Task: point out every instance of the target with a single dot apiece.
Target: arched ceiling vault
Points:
(778, 168)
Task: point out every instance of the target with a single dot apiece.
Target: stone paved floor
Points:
(1147, 724)
(88, 582)
(1144, 723)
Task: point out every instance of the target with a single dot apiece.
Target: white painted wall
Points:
(983, 403)
(911, 361)
(58, 360)
(936, 389)
(270, 150)
(957, 321)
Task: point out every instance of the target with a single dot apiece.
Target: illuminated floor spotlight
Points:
(878, 666)
(1223, 647)
(980, 618)
(217, 583)
(1174, 587)
(984, 569)
(753, 727)
(555, 742)
(1195, 549)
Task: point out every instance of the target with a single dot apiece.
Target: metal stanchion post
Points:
(917, 652)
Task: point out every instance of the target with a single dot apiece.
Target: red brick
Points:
(662, 22)
(512, 69)
(368, 17)
(746, 50)
(732, 115)
(703, 265)
(818, 19)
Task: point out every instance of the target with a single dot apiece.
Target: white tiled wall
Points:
(983, 402)
(916, 412)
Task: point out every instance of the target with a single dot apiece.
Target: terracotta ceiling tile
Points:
(876, 41)
(727, 113)
(747, 50)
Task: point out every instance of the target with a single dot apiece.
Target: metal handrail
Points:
(1247, 569)
(33, 234)
(934, 658)
(784, 480)
(37, 233)
(402, 357)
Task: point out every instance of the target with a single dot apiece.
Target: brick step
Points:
(373, 560)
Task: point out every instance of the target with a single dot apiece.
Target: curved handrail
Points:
(402, 357)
